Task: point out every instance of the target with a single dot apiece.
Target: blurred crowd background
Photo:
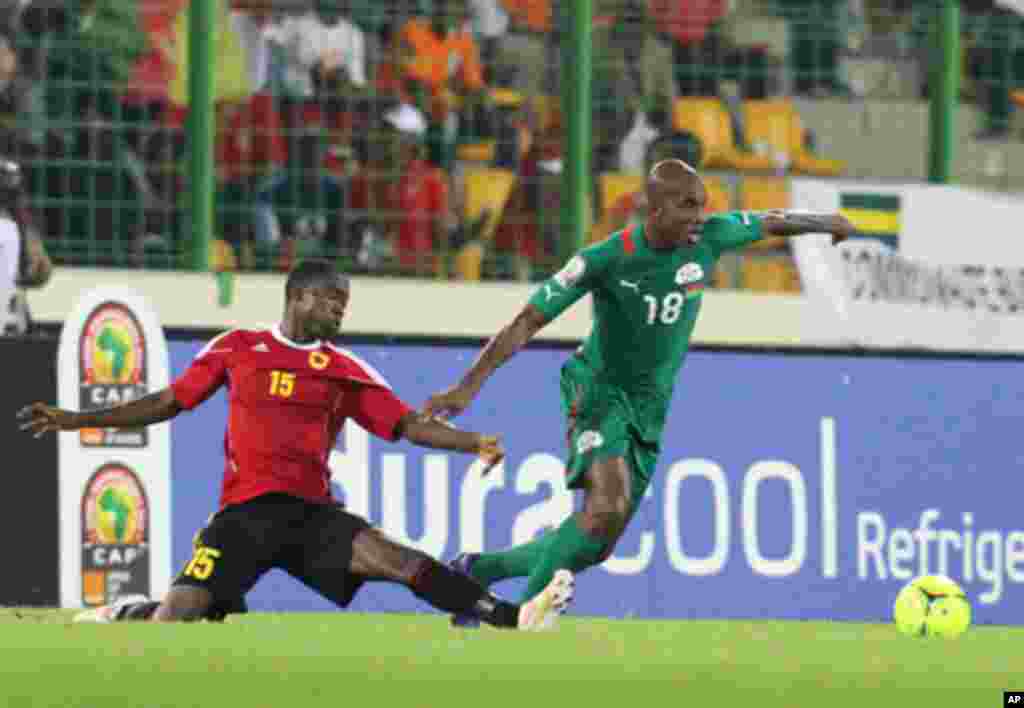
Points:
(425, 137)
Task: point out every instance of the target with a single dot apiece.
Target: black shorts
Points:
(311, 542)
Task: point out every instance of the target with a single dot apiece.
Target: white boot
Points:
(542, 611)
(106, 614)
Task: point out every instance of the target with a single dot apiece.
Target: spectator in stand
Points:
(250, 151)
(525, 59)
(816, 36)
(307, 202)
(528, 232)
(24, 262)
(999, 68)
(679, 37)
(616, 96)
(441, 61)
(322, 47)
(490, 22)
(399, 199)
(15, 93)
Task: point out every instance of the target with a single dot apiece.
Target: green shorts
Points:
(602, 423)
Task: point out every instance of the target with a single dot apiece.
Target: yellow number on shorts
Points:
(201, 565)
(282, 383)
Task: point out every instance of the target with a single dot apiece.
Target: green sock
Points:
(515, 562)
(570, 548)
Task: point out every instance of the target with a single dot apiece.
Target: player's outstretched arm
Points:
(798, 223)
(430, 432)
(496, 352)
(40, 418)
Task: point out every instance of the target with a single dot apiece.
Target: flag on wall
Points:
(876, 216)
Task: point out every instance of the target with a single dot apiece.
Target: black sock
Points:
(137, 611)
(453, 592)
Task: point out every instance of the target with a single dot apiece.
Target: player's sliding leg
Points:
(118, 610)
(587, 538)
(376, 557)
(583, 540)
(181, 604)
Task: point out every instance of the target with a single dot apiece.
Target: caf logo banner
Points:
(112, 370)
(115, 535)
(114, 484)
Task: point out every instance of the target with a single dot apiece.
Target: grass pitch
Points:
(375, 661)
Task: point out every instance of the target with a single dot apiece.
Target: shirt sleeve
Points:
(207, 372)
(472, 71)
(378, 411)
(727, 232)
(580, 275)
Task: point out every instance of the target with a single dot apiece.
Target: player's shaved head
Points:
(671, 174)
(313, 273)
(676, 198)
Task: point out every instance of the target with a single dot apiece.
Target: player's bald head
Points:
(671, 175)
(314, 273)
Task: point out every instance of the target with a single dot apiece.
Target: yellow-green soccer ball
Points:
(932, 606)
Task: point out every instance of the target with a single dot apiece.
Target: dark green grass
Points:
(370, 661)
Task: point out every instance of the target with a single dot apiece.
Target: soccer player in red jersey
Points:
(291, 391)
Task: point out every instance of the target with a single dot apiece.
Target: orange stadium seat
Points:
(777, 124)
(769, 274)
(708, 119)
(476, 152)
(764, 194)
(718, 193)
(615, 185)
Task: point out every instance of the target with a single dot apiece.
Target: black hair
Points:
(683, 144)
(312, 272)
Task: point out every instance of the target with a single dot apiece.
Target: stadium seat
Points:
(777, 125)
(469, 261)
(476, 152)
(487, 188)
(615, 185)
(719, 194)
(769, 274)
(764, 194)
(506, 98)
(708, 119)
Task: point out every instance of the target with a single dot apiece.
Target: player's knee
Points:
(606, 520)
(184, 604)
(414, 565)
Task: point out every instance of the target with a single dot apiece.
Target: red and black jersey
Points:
(287, 404)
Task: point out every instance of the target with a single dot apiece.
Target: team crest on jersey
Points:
(689, 273)
(588, 440)
(319, 360)
(571, 272)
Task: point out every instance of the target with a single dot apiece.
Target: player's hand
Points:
(491, 452)
(41, 419)
(842, 229)
(449, 403)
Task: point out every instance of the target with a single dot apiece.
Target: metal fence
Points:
(425, 137)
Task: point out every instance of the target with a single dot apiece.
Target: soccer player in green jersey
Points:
(647, 283)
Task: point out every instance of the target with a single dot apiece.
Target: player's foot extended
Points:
(542, 611)
(463, 563)
(109, 613)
